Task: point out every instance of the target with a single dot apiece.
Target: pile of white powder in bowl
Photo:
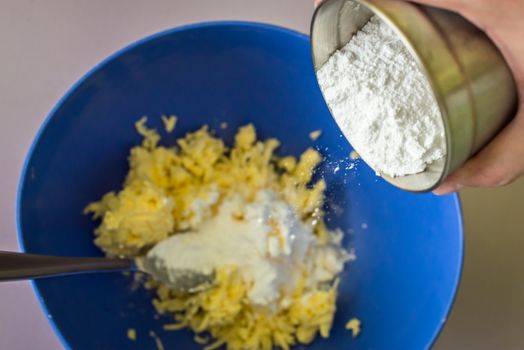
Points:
(383, 103)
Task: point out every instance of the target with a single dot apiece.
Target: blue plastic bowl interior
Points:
(409, 246)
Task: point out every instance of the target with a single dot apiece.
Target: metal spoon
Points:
(21, 266)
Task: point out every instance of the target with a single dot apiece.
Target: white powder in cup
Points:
(383, 103)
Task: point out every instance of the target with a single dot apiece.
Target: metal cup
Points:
(471, 81)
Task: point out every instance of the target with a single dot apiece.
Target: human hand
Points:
(502, 160)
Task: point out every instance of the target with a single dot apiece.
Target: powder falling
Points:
(383, 103)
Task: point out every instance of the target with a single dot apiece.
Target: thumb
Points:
(498, 164)
(478, 12)
(449, 4)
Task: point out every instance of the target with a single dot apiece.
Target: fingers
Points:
(498, 164)
(317, 2)
(501, 161)
(478, 12)
(449, 4)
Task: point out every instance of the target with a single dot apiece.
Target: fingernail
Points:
(447, 189)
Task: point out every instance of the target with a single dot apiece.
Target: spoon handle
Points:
(19, 266)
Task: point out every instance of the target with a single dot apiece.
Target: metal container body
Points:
(471, 81)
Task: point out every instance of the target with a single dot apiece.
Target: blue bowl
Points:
(409, 246)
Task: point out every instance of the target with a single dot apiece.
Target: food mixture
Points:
(383, 103)
(249, 217)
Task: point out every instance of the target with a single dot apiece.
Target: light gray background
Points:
(46, 45)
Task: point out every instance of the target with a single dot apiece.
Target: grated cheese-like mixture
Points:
(169, 122)
(131, 334)
(273, 250)
(172, 190)
(354, 325)
(158, 341)
(314, 135)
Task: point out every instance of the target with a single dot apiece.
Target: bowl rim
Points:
(100, 65)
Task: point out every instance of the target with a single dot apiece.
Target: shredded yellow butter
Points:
(169, 122)
(158, 200)
(131, 334)
(354, 326)
(314, 135)
(241, 326)
(158, 341)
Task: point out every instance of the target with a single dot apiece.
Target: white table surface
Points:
(46, 45)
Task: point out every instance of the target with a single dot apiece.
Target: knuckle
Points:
(493, 178)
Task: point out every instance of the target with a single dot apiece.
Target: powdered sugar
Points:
(266, 239)
(382, 102)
